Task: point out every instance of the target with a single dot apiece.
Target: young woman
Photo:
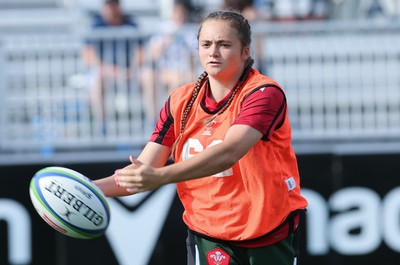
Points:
(230, 138)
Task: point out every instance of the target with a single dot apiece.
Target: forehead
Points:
(218, 29)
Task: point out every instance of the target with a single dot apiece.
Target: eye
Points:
(225, 44)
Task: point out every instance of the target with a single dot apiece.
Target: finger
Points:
(134, 161)
(127, 171)
(117, 178)
(123, 179)
(129, 185)
(133, 190)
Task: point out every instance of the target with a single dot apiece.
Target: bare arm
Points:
(153, 154)
(239, 139)
(89, 56)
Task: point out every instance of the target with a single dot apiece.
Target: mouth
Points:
(214, 63)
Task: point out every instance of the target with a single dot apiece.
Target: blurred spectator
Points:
(110, 60)
(378, 9)
(170, 58)
(288, 10)
(245, 7)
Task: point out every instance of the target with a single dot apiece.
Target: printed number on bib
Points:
(194, 146)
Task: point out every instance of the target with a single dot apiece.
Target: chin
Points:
(214, 72)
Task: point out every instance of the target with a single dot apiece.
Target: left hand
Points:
(137, 177)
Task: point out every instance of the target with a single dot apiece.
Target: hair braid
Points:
(195, 93)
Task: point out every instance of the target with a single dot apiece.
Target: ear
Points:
(245, 53)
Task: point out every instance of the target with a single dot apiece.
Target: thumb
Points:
(134, 160)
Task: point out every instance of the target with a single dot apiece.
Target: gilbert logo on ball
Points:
(69, 202)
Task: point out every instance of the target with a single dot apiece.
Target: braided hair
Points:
(238, 22)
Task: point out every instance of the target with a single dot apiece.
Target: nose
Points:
(214, 51)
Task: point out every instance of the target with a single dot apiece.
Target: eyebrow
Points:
(218, 41)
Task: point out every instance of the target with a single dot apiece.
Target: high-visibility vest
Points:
(257, 193)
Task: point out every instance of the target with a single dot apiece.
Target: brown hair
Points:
(235, 20)
(238, 22)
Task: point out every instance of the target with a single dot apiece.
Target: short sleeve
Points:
(263, 110)
(164, 130)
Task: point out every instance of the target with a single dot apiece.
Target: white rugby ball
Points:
(69, 202)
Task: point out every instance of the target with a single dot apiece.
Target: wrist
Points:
(163, 173)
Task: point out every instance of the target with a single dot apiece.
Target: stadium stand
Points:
(341, 80)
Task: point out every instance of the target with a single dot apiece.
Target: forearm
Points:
(109, 188)
(139, 176)
(89, 56)
(215, 159)
(153, 154)
(211, 161)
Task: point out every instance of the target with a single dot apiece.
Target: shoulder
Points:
(259, 82)
(180, 96)
(183, 90)
(98, 21)
(257, 77)
(129, 22)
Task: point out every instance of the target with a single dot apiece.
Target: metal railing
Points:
(342, 84)
(48, 97)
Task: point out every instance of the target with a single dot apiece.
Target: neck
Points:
(218, 91)
(219, 88)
